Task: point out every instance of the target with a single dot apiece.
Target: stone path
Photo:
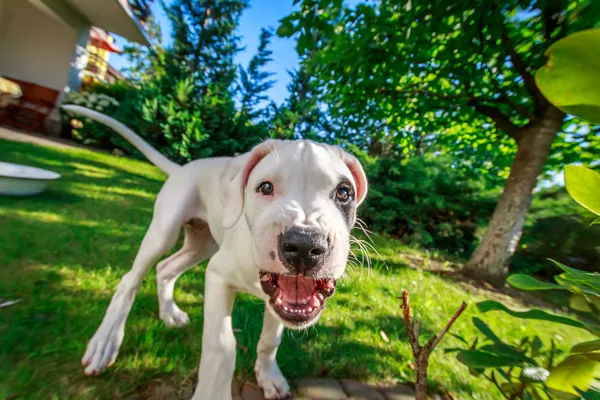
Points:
(330, 389)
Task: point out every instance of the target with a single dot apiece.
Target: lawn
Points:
(63, 252)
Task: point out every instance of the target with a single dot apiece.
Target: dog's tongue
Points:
(296, 289)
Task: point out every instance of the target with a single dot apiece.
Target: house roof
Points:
(115, 16)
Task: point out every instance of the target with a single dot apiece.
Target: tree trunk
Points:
(422, 361)
(490, 260)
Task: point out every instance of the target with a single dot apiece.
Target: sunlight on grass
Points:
(43, 216)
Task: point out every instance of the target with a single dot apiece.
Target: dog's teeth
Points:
(310, 309)
(278, 300)
(285, 308)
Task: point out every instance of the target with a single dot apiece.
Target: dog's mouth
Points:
(296, 299)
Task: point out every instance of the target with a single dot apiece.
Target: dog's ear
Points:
(235, 178)
(358, 173)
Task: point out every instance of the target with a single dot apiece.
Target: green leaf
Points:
(595, 222)
(526, 282)
(570, 78)
(486, 330)
(476, 359)
(459, 338)
(591, 394)
(583, 184)
(576, 371)
(586, 347)
(491, 305)
(534, 374)
(579, 303)
(505, 350)
(286, 29)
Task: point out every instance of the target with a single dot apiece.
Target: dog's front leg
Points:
(268, 374)
(217, 363)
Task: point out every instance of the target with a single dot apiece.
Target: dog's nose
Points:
(303, 249)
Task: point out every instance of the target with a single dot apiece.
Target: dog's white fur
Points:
(226, 220)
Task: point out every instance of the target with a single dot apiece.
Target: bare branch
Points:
(493, 379)
(541, 104)
(410, 331)
(436, 339)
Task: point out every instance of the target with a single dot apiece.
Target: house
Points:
(44, 43)
(99, 49)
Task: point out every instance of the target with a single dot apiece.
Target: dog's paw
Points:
(174, 317)
(103, 348)
(271, 380)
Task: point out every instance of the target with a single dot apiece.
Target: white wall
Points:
(35, 47)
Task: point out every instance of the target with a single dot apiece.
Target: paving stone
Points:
(321, 389)
(400, 392)
(251, 391)
(357, 389)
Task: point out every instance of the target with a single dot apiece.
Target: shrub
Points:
(423, 200)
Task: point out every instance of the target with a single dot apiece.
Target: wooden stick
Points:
(421, 353)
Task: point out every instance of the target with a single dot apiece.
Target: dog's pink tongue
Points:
(296, 289)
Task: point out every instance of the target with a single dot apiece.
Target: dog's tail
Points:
(162, 162)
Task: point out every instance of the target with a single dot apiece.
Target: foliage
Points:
(84, 129)
(556, 227)
(424, 201)
(254, 81)
(439, 69)
(183, 102)
(575, 373)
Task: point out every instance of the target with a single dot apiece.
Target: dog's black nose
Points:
(303, 249)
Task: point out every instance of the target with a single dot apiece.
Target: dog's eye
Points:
(265, 188)
(342, 194)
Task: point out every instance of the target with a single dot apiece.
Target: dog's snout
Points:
(303, 249)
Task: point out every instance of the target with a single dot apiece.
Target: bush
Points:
(179, 124)
(557, 228)
(425, 201)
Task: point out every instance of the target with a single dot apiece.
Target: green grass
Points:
(64, 251)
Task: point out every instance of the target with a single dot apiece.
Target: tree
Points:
(255, 81)
(462, 71)
(183, 100)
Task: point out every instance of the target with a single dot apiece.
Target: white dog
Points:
(275, 222)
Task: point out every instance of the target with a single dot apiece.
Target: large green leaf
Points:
(526, 282)
(476, 359)
(576, 371)
(583, 184)
(505, 350)
(570, 78)
(491, 305)
(586, 347)
(586, 282)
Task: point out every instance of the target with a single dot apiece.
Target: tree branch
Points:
(433, 342)
(541, 104)
(523, 111)
(499, 119)
(517, 61)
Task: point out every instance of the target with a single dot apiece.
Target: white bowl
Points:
(21, 180)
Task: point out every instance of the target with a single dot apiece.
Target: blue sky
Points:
(261, 13)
